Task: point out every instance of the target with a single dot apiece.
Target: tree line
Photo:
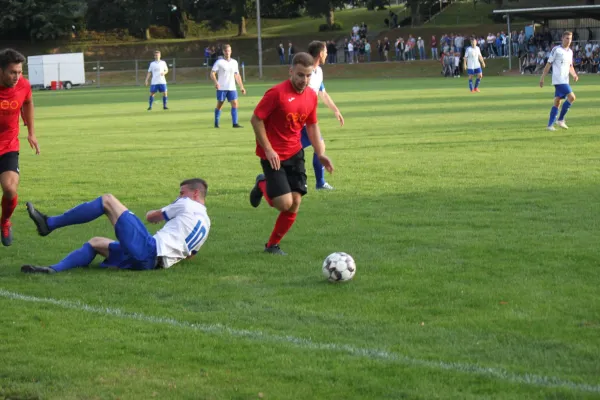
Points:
(39, 20)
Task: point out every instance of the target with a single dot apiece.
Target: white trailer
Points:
(66, 69)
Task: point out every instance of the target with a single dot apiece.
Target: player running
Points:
(185, 231)
(225, 73)
(278, 121)
(318, 50)
(15, 100)
(561, 61)
(473, 63)
(157, 71)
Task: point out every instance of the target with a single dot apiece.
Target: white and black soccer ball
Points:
(339, 267)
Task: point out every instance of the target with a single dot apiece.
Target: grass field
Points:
(475, 233)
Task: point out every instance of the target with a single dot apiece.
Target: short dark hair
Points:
(315, 48)
(10, 56)
(196, 184)
(304, 59)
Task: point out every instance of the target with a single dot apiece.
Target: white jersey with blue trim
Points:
(561, 60)
(185, 231)
(157, 68)
(226, 71)
(316, 80)
(472, 55)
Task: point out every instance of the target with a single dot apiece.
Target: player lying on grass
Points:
(185, 231)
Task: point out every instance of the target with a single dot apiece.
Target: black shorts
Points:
(9, 162)
(291, 177)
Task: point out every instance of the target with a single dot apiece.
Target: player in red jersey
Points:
(277, 121)
(15, 100)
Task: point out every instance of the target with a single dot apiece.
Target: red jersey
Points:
(11, 101)
(285, 112)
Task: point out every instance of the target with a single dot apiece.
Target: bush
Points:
(335, 27)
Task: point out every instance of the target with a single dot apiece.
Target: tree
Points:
(241, 9)
(319, 8)
(40, 19)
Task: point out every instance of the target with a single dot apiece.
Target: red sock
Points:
(8, 207)
(262, 185)
(284, 222)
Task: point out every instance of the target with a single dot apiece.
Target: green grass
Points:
(465, 14)
(475, 233)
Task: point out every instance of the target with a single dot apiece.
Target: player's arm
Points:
(481, 60)
(573, 73)
(165, 70)
(148, 76)
(155, 216)
(329, 103)
(267, 105)
(213, 75)
(314, 135)
(545, 72)
(27, 115)
(238, 79)
(166, 213)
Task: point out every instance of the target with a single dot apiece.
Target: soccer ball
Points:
(339, 267)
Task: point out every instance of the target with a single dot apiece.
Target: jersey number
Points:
(195, 238)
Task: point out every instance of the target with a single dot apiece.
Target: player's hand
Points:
(273, 159)
(243, 90)
(483, 65)
(326, 163)
(146, 83)
(217, 86)
(33, 143)
(542, 82)
(339, 117)
(576, 78)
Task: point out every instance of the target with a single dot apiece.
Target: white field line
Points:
(373, 354)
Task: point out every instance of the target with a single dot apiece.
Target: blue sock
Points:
(234, 116)
(471, 84)
(217, 116)
(165, 101)
(151, 100)
(553, 114)
(81, 257)
(477, 81)
(81, 214)
(319, 171)
(563, 110)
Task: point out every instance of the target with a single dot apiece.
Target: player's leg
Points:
(288, 203)
(81, 214)
(9, 179)
(554, 112)
(153, 91)
(317, 166)
(478, 80)
(471, 73)
(81, 257)
(221, 95)
(232, 97)
(565, 108)
(164, 96)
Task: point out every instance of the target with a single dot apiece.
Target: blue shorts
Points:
(136, 248)
(475, 71)
(161, 88)
(562, 90)
(304, 138)
(229, 95)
